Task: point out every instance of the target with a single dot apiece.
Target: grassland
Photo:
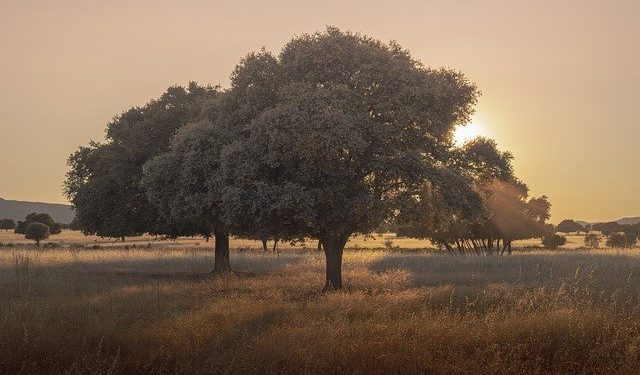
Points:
(156, 309)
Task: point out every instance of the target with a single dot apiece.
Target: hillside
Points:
(17, 210)
(623, 221)
(629, 220)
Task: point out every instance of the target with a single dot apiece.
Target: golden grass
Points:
(158, 310)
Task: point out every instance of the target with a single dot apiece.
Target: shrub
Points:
(592, 241)
(37, 232)
(622, 240)
(7, 224)
(553, 241)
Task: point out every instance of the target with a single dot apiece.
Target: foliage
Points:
(36, 231)
(35, 217)
(569, 226)
(104, 180)
(622, 240)
(592, 241)
(553, 241)
(7, 224)
(506, 214)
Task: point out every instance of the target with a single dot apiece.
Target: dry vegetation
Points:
(155, 309)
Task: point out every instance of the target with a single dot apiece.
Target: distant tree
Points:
(104, 180)
(21, 227)
(35, 217)
(507, 212)
(621, 240)
(36, 231)
(569, 226)
(607, 228)
(357, 130)
(592, 241)
(7, 224)
(553, 241)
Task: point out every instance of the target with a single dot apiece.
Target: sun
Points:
(464, 133)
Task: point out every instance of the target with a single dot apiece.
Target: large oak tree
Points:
(357, 130)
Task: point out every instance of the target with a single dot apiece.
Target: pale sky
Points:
(559, 79)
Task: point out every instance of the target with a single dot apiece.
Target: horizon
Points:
(557, 92)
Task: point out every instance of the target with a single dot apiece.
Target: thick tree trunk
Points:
(221, 261)
(333, 248)
(275, 245)
(264, 245)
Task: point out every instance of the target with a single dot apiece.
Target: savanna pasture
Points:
(155, 308)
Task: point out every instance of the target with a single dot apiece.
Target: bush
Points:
(592, 241)
(7, 224)
(622, 240)
(37, 232)
(553, 241)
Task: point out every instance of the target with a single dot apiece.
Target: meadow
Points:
(94, 306)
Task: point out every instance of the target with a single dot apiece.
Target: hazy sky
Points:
(559, 79)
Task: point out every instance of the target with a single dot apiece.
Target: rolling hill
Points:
(17, 210)
(623, 221)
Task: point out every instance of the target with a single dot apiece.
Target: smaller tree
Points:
(42, 218)
(569, 226)
(37, 232)
(592, 241)
(7, 224)
(553, 241)
(621, 240)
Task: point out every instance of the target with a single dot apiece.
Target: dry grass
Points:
(157, 310)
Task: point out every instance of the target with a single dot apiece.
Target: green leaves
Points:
(357, 126)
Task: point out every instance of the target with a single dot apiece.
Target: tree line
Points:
(618, 235)
(338, 134)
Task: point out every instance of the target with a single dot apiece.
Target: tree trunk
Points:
(122, 239)
(38, 243)
(275, 245)
(333, 248)
(264, 245)
(221, 260)
(319, 245)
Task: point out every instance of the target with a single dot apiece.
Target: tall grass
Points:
(83, 311)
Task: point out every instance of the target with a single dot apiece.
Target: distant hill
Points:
(17, 210)
(629, 220)
(623, 221)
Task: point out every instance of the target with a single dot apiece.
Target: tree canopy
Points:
(104, 180)
(36, 231)
(7, 224)
(38, 217)
(569, 226)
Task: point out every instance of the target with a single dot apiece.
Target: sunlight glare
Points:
(467, 132)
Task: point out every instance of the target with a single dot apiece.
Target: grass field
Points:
(156, 309)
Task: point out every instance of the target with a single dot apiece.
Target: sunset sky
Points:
(559, 79)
